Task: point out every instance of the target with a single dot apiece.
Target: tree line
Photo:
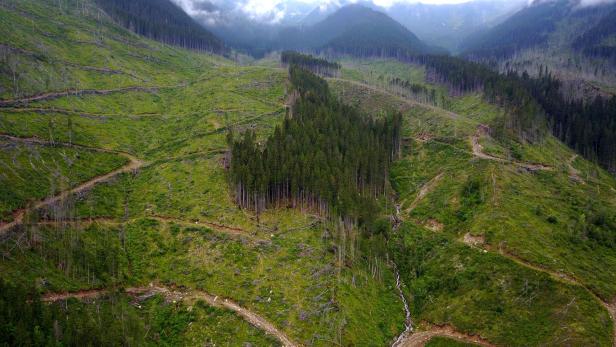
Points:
(316, 65)
(525, 118)
(326, 157)
(163, 21)
(535, 104)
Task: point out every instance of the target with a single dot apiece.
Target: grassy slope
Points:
(180, 131)
(32, 172)
(292, 278)
(117, 319)
(511, 210)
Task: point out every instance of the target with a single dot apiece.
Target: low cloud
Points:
(215, 12)
(585, 3)
(205, 6)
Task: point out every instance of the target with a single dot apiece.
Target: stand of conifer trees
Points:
(326, 157)
(316, 65)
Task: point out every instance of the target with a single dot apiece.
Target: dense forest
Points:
(326, 157)
(587, 126)
(163, 21)
(316, 65)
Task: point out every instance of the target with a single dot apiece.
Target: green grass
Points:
(221, 327)
(286, 266)
(535, 216)
(32, 172)
(381, 69)
(482, 292)
(292, 279)
(115, 318)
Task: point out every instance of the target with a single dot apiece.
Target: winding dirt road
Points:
(574, 173)
(133, 165)
(174, 295)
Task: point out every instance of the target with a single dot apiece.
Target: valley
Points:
(126, 218)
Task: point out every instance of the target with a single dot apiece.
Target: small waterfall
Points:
(408, 323)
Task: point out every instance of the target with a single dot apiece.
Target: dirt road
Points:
(18, 215)
(190, 295)
(479, 153)
(423, 191)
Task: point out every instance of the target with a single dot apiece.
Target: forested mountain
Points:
(324, 10)
(361, 31)
(527, 28)
(444, 25)
(163, 21)
(153, 195)
(447, 25)
(572, 38)
(354, 29)
(600, 40)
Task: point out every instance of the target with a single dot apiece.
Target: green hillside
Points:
(164, 21)
(120, 222)
(531, 221)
